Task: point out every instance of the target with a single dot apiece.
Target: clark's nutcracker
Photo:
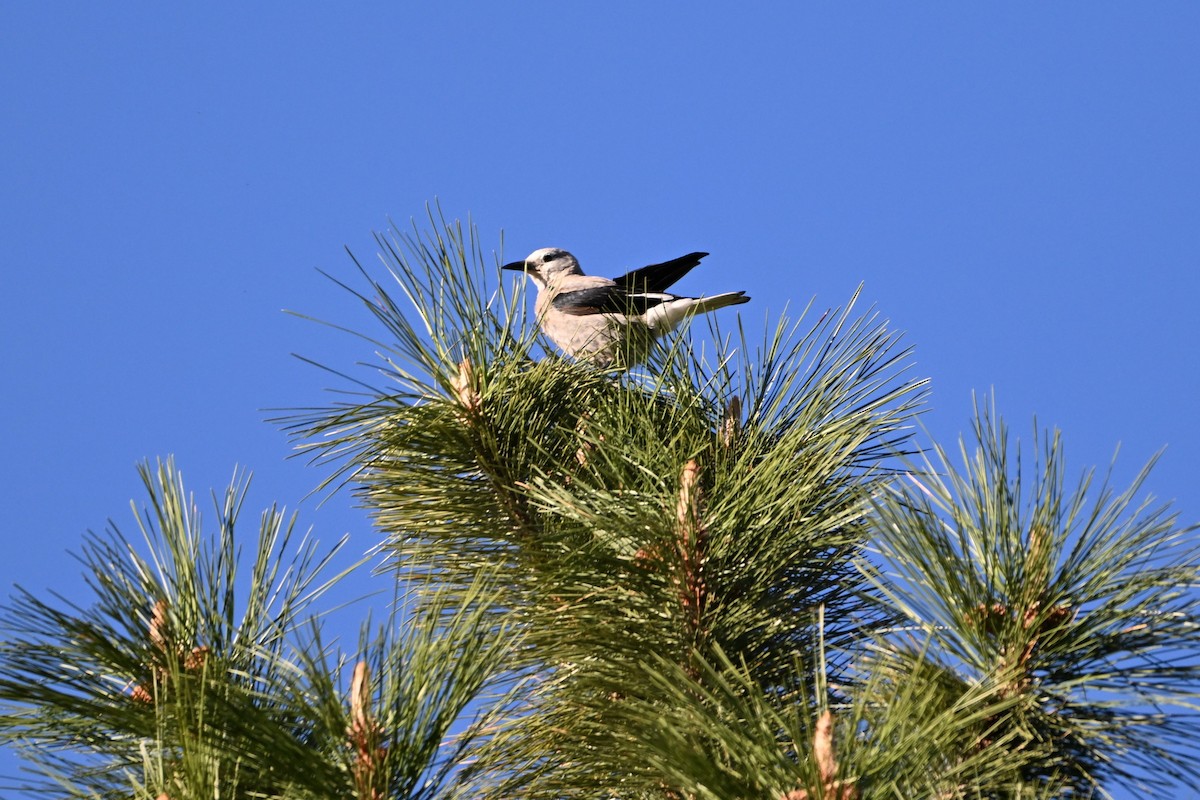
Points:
(602, 320)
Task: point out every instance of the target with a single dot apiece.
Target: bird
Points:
(612, 321)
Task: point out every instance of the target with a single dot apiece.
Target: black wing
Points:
(605, 300)
(658, 277)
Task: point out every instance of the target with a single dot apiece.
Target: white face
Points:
(549, 263)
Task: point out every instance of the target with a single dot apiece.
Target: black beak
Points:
(517, 265)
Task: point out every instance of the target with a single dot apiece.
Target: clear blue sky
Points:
(1017, 184)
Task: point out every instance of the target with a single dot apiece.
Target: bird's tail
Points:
(703, 305)
(665, 317)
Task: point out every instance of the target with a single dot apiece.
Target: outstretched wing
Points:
(607, 300)
(658, 277)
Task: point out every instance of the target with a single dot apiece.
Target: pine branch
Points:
(163, 687)
(622, 516)
(1073, 600)
(162, 642)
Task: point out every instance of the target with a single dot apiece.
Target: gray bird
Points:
(604, 320)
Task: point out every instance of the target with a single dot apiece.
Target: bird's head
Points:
(544, 265)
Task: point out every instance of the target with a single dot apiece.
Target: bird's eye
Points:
(546, 259)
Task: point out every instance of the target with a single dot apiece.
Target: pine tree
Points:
(736, 572)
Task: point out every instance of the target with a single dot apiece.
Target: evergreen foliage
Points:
(728, 574)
